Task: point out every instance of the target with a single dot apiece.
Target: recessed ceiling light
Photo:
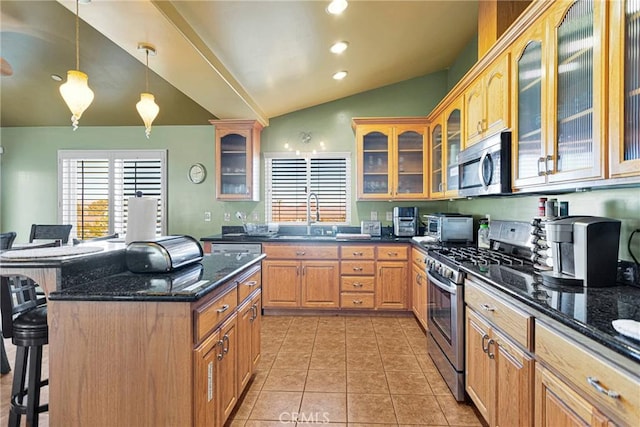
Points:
(339, 47)
(336, 7)
(56, 77)
(340, 75)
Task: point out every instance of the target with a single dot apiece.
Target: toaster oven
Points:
(449, 227)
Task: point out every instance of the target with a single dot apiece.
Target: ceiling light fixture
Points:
(147, 108)
(75, 91)
(340, 75)
(339, 47)
(336, 7)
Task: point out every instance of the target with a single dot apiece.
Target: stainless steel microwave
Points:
(485, 167)
(449, 227)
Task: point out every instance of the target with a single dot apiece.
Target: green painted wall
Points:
(463, 63)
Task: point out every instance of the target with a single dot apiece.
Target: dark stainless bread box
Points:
(163, 254)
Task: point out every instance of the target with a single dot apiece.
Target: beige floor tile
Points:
(276, 405)
(336, 345)
(310, 424)
(244, 405)
(285, 380)
(318, 407)
(328, 360)
(418, 410)
(458, 414)
(292, 361)
(256, 383)
(400, 362)
(370, 408)
(394, 346)
(235, 423)
(261, 423)
(268, 346)
(328, 381)
(297, 345)
(401, 382)
(373, 382)
(426, 364)
(370, 425)
(266, 361)
(437, 384)
(366, 345)
(364, 361)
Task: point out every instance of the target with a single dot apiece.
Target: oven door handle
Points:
(452, 289)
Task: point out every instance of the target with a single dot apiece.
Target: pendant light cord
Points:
(146, 72)
(77, 36)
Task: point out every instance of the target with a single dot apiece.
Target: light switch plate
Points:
(227, 216)
(372, 228)
(207, 216)
(374, 216)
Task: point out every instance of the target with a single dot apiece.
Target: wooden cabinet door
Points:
(453, 145)
(514, 384)
(245, 325)
(437, 155)
(557, 405)
(227, 380)
(496, 94)
(256, 327)
(419, 295)
(281, 283)
(409, 162)
(374, 148)
(473, 112)
(479, 375)
(205, 379)
(320, 284)
(391, 285)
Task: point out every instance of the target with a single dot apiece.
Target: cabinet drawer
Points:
(419, 258)
(356, 300)
(287, 251)
(210, 315)
(393, 252)
(515, 323)
(579, 365)
(357, 252)
(357, 268)
(246, 285)
(357, 284)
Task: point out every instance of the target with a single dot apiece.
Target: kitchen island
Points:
(149, 349)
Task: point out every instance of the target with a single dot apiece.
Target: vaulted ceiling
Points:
(218, 59)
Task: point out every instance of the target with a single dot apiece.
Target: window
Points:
(94, 187)
(289, 178)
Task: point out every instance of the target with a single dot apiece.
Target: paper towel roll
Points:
(141, 220)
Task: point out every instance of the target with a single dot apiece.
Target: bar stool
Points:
(25, 322)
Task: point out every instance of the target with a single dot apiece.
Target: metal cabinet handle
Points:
(479, 126)
(220, 344)
(549, 169)
(223, 308)
(491, 355)
(595, 383)
(251, 283)
(542, 169)
(392, 253)
(357, 301)
(357, 254)
(357, 268)
(487, 307)
(357, 285)
(485, 349)
(300, 253)
(225, 350)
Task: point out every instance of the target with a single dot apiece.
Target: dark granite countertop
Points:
(185, 284)
(588, 310)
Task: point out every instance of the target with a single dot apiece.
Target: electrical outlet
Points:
(374, 216)
(207, 216)
(227, 216)
(256, 216)
(389, 216)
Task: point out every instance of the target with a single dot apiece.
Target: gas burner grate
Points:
(478, 256)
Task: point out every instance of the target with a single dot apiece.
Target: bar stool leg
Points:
(19, 376)
(33, 388)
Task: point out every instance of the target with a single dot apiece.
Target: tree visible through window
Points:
(94, 188)
(290, 179)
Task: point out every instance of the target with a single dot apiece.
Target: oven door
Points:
(446, 318)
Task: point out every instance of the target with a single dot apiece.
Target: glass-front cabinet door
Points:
(233, 163)
(437, 177)
(375, 163)
(453, 147)
(530, 141)
(410, 174)
(578, 62)
(624, 105)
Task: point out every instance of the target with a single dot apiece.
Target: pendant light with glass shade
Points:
(147, 108)
(75, 91)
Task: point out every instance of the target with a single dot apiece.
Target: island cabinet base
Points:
(153, 363)
(120, 363)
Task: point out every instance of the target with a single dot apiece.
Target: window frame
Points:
(111, 156)
(347, 156)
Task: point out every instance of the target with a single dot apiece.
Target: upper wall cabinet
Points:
(624, 89)
(237, 159)
(391, 158)
(446, 143)
(487, 102)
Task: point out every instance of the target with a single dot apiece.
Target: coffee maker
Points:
(584, 251)
(405, 221)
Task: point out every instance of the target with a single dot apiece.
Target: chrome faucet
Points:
(309, 221)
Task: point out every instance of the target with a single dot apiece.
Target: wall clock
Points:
(197, 173)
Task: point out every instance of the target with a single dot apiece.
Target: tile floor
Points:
(335, 371)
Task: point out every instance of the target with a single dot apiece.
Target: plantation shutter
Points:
(289, 179)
